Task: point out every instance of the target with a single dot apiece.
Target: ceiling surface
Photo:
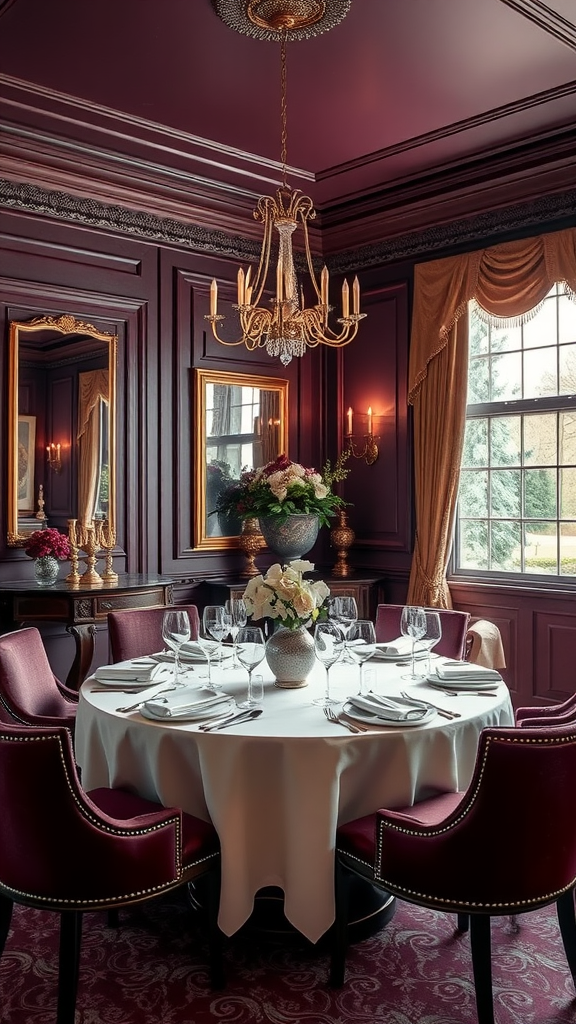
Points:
(400, 88)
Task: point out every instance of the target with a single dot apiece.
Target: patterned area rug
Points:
(152, 970)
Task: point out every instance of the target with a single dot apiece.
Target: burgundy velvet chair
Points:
(138, 631)
(547, 716)
(506, 846)
(30, 693)
(124, 849)
(454, 628)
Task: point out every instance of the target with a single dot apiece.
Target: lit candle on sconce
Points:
(369, 452)
(240, 287)
(54, 460)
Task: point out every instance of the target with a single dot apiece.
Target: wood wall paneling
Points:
(375, 375)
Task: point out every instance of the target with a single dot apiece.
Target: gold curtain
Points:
(507, 282)
(93, 389)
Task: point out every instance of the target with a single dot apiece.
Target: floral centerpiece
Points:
(282, 488)
(283, 594)
(48, 542)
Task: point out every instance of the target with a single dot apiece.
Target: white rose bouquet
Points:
(285, 595)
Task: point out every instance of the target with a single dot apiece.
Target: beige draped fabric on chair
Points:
(92, 390)
(507, 281)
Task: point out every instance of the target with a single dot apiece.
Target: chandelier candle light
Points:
(286, 328)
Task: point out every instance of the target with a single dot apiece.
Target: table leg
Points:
(85, 643)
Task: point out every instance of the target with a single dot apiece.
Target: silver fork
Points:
(336, 720)
(149, 696)
(441, 711)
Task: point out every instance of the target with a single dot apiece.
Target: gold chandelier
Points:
(285, 327)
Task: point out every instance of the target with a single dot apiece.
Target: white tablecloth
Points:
(277, 788)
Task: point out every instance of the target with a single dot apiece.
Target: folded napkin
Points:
(176, 704)
(129, 671)
(401, 711)
(466, 670)
(400, 648)
(193, 649)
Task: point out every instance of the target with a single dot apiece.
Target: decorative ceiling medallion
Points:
(267, 19)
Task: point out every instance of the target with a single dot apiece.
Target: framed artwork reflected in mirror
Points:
(241, 422)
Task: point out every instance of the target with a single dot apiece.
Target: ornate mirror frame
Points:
(64, 325)
(279, 425)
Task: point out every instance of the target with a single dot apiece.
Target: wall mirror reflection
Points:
(61, 416)
(241, 423)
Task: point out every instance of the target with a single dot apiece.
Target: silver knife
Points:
(244, 716)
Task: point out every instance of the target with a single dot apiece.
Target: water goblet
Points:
(344, 611)
(251, 651)
(176, 630)
(239, 616)
(433, 633)
(413, 625)
(214, 623)
(361, 644)
(328, 647)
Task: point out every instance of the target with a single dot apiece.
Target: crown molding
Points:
(462, 233)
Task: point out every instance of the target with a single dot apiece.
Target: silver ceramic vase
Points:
(292, 538)
(290, 656)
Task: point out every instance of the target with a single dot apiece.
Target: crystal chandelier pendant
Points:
(286, 328)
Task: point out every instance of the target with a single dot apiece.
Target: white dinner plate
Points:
(193, 714)
(388, 723)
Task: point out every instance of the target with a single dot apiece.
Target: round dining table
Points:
(276, 788)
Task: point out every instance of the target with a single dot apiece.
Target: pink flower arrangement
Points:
(47, 542)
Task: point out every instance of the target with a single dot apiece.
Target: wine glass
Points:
(344, 611)
(251, 651)
(214, 625)
(176, 630)
(433, 633)
(328, 646)
(239, 616)
(361, 644)
(413, 624)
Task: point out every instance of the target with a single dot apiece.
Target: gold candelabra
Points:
(83, 537)
(106, 539)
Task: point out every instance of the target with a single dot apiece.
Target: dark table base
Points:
(371, 909)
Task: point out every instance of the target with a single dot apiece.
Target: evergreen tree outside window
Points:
(517, 498)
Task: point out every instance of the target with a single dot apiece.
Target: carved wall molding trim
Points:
(498, 223)
(92, 212)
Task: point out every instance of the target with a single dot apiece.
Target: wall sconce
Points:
(370, 450)
(54, 460)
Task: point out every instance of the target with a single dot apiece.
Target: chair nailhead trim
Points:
(173, 822)
(395, 827)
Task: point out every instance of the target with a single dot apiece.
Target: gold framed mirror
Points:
(61, 425)
(241, 422)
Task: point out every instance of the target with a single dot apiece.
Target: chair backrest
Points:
(43, 806)
(28, 687)
(512, 838)
(454, 628)
(138, 631)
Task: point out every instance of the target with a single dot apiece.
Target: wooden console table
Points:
(80, 608)
(363, 586)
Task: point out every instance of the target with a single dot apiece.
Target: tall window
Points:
(517, 498)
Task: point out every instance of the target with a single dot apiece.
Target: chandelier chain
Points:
(283, 108)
